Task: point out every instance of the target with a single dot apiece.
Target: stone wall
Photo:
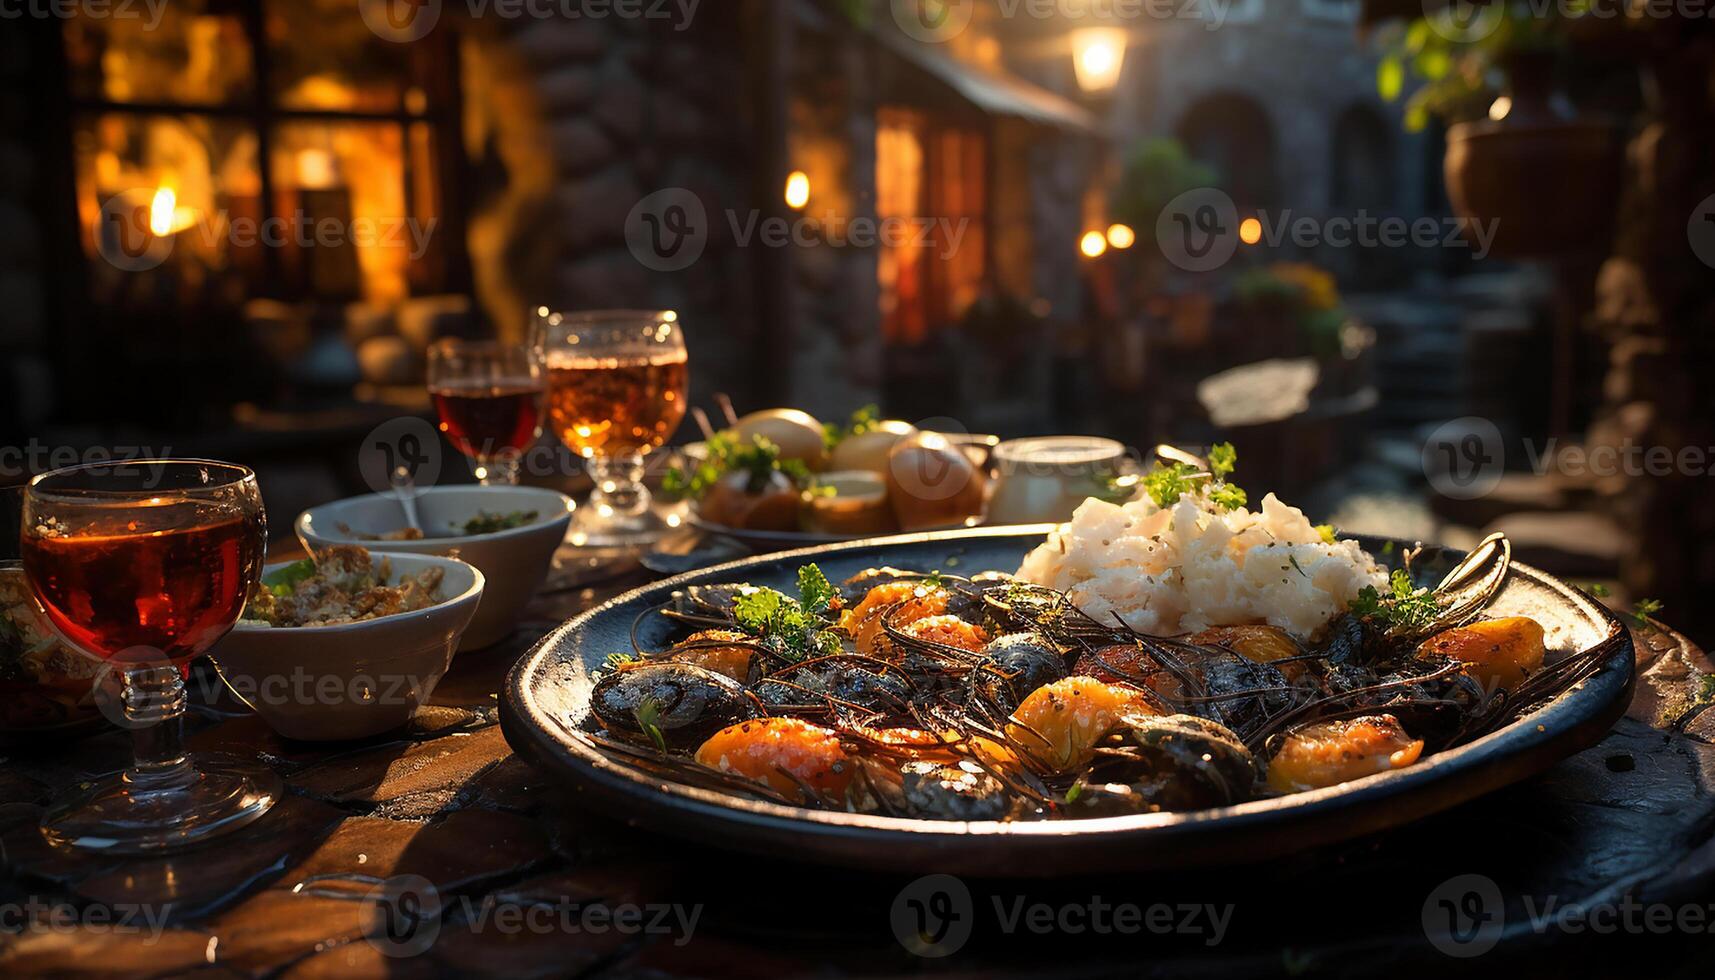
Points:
(25, 396)
(571, 123)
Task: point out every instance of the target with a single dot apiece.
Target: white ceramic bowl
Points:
(322, 683)
(515, 561)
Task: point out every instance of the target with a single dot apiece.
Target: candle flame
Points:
(162, 210)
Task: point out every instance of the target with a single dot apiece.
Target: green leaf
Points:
(1227, 497)
(1390, 78)
(1222, 459)
(1643, 610)
(283, 581)
(815, 592)
(648, 715)
(755, 611)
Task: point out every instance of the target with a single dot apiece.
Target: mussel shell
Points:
(692, 703)
(936, 791)
(1012, 666)
(708, 600)
(810, 688)
(1185, 762)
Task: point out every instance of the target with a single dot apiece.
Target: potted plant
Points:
(1519, 155)
(1156, 172)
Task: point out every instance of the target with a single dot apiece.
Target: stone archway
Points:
(1233, 133)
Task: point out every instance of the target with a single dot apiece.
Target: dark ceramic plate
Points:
(546, 698)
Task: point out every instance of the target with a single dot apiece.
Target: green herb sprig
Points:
(1405, 606)
(797, 628)
(1168, 482)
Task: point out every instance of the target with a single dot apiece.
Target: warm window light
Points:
(1121, 236)
(1098, 54)
(1250, 231)
(797, 189)
(162, 210)
(1093, 244)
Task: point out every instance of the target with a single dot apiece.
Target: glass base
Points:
(592, 529)
(134, 812)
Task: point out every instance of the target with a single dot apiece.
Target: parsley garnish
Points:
(1643, 610)
(648, 715)
(1167, 483)
(1597, 589)
(726, 455)
(796, 627)
(615, 661)
(1405, 607)
(862, 420)
(1222, 459)
(1074, 791)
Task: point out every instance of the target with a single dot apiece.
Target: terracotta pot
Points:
(1548, 188)
(1546, 179)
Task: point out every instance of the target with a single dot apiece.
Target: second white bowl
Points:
(515, 561)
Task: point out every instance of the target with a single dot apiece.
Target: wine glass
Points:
(617, 388)
(489, 397)
(144, 565)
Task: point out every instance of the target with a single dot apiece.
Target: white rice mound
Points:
(1184, 568)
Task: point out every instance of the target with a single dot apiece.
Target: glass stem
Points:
(154, 700)
(619, 489)
(498, 471)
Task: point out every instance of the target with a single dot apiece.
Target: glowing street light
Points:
(1093, 244)
(1121, 236)
(797, 190)
(1098, 54)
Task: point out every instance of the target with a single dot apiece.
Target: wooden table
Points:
(333, 881)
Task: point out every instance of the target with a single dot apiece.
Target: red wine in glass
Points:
(170, 576)
(485, 421)
(489, 396)
(145, 565)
